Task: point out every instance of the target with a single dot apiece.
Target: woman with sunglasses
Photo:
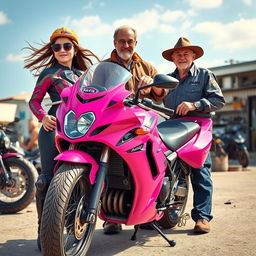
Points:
(62, 61)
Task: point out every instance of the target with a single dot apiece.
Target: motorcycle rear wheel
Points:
(243, 157)
(172, 214)
(62, 232)
(21, 192)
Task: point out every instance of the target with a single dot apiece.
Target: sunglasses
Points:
(57, 47)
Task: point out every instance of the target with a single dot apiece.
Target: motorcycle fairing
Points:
(76, 156)
(195, 151)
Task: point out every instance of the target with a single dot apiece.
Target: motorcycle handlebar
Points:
(149, 103)
(6, 130)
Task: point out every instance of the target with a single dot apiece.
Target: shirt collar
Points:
(193, 71)
(115, 58)
(76, 71)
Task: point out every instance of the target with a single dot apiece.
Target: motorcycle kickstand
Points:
(154, 225)
(136, 227)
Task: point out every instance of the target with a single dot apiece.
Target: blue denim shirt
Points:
(200, 86)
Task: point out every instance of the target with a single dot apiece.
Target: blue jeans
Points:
(202, 186)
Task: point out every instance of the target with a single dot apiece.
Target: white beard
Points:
(125, 55)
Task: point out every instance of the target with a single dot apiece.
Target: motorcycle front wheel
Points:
(62, 231)
(20, 191)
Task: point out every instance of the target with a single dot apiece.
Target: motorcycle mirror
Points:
(160, 81)
(165, 81)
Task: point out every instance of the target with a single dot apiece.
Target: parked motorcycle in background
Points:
(17, 177)
(232, 140)
(218, 144)
(33, 156)
(234, 145)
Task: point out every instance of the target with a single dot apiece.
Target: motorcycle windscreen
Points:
(103, 76)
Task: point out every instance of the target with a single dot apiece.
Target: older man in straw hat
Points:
(198, 94)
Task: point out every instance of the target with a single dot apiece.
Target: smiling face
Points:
(183, 58)
(125, 43)
(64, 56)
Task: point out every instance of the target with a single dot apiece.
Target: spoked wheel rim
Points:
(76, 234)
(18, 185)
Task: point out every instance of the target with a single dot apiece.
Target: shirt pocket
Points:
(194, 92)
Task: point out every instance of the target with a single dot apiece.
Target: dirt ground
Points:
(233, 227)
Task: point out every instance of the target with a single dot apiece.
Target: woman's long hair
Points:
(44, 57)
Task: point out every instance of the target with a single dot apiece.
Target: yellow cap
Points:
(64, 32)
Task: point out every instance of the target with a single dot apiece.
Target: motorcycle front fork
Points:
(90, 215)
(4, 172)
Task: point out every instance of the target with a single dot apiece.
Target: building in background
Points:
(238, 83)
(22, 112)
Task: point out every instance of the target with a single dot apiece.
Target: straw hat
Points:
(64, 32)
(183, 43)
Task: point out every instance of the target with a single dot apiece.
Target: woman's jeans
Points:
(202, 186)
(48, 152)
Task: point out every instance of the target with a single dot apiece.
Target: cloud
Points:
(89, 5)
(232, 36)
(205, 4)
(90, 25)
(210, 63)
(247, 2)
(170, 16)
(144, 21)
(165, 67)
(92, 3)
(3, 18)
(153, 19)
(15, 57)
(164, 28)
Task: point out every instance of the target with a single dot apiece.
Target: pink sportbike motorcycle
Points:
(117, 161)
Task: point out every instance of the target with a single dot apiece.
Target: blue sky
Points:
(225, 29)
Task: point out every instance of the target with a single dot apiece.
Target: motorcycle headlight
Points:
(77, 128)
(7, 142)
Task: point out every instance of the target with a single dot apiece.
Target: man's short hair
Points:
(123, 27)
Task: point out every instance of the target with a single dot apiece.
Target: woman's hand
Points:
(49, 122)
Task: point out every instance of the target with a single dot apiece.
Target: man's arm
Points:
(32, 142)
(213, 98)
(157, 94)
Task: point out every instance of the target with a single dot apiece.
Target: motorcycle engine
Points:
(165, 190)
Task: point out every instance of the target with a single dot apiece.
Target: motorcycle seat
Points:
(175, 133)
